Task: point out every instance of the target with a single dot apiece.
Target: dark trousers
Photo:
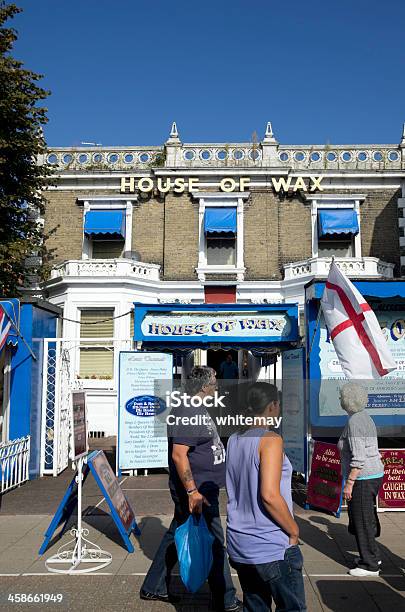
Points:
(280, 581)
(220, 581)
(364, 523)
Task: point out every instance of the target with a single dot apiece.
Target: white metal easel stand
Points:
(83, 551)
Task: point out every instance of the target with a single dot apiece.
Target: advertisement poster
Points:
(80, 446)
(293, 408)
(391, 496)
(325, 480)
(145, 380)
(113, 489)
(387, 394)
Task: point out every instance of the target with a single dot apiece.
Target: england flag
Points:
(5, 325)
(354, 329)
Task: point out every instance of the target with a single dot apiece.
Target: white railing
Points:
(217, 154)
(106, 267)
(367, 267)
(14, 461)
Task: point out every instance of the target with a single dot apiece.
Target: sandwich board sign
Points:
(121, 510)
(325, 480)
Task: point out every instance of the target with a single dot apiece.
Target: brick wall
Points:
(295, 230)
(379, 226)
(276, 231)
(180, 237)
(261, 236)
(148, 229)
(64, 218)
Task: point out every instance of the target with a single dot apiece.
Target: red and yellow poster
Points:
(325, 480)
(391, 495)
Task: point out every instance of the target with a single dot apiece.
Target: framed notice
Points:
(145, 380)
(325, 480)
(293, 412)
(79, 434)
(391, 496)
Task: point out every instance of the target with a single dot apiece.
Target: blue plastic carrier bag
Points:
(194, 550)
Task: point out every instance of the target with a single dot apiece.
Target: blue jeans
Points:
(280, 581)
(220, 580)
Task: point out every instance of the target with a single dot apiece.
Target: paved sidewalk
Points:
(326, 545)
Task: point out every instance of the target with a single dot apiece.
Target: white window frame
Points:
(325, 201)
(225, 200)
(108, 203)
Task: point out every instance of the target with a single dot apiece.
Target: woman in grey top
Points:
(363, 472)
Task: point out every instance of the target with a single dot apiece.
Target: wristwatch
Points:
(191, 491)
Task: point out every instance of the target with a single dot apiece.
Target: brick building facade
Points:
(165, 254)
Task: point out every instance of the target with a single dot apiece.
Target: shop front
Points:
(250, 336)
(242, 342)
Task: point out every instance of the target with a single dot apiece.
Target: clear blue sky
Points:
(121, 71)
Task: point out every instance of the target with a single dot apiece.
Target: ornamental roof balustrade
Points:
(228, 155)
(267, 153)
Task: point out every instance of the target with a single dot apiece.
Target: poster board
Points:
(121, 510)
(386, 395)
(325, 480)
(391, 496)
(144, 380)
(79, 431)
(293, 408)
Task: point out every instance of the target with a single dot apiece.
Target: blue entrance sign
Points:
(204, 324)
(121, 511)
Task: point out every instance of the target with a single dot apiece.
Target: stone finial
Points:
(269, 136)
(174, 134)
(403, 136)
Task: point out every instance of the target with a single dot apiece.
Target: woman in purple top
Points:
(262, 535)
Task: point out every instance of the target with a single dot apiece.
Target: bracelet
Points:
(191, 491)
(350, 479)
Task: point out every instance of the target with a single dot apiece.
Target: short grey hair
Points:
(200, 377)
(353, 397)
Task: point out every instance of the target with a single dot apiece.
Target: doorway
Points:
(216, 358)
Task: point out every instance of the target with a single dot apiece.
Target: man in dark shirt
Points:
(196, 474)
(228, 368)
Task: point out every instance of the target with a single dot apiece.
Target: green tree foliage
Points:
(22, 179)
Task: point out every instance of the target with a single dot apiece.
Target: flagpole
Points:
(19, 334)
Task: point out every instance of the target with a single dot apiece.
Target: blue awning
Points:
(220, 219)
(110, 223)
(337, 221)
